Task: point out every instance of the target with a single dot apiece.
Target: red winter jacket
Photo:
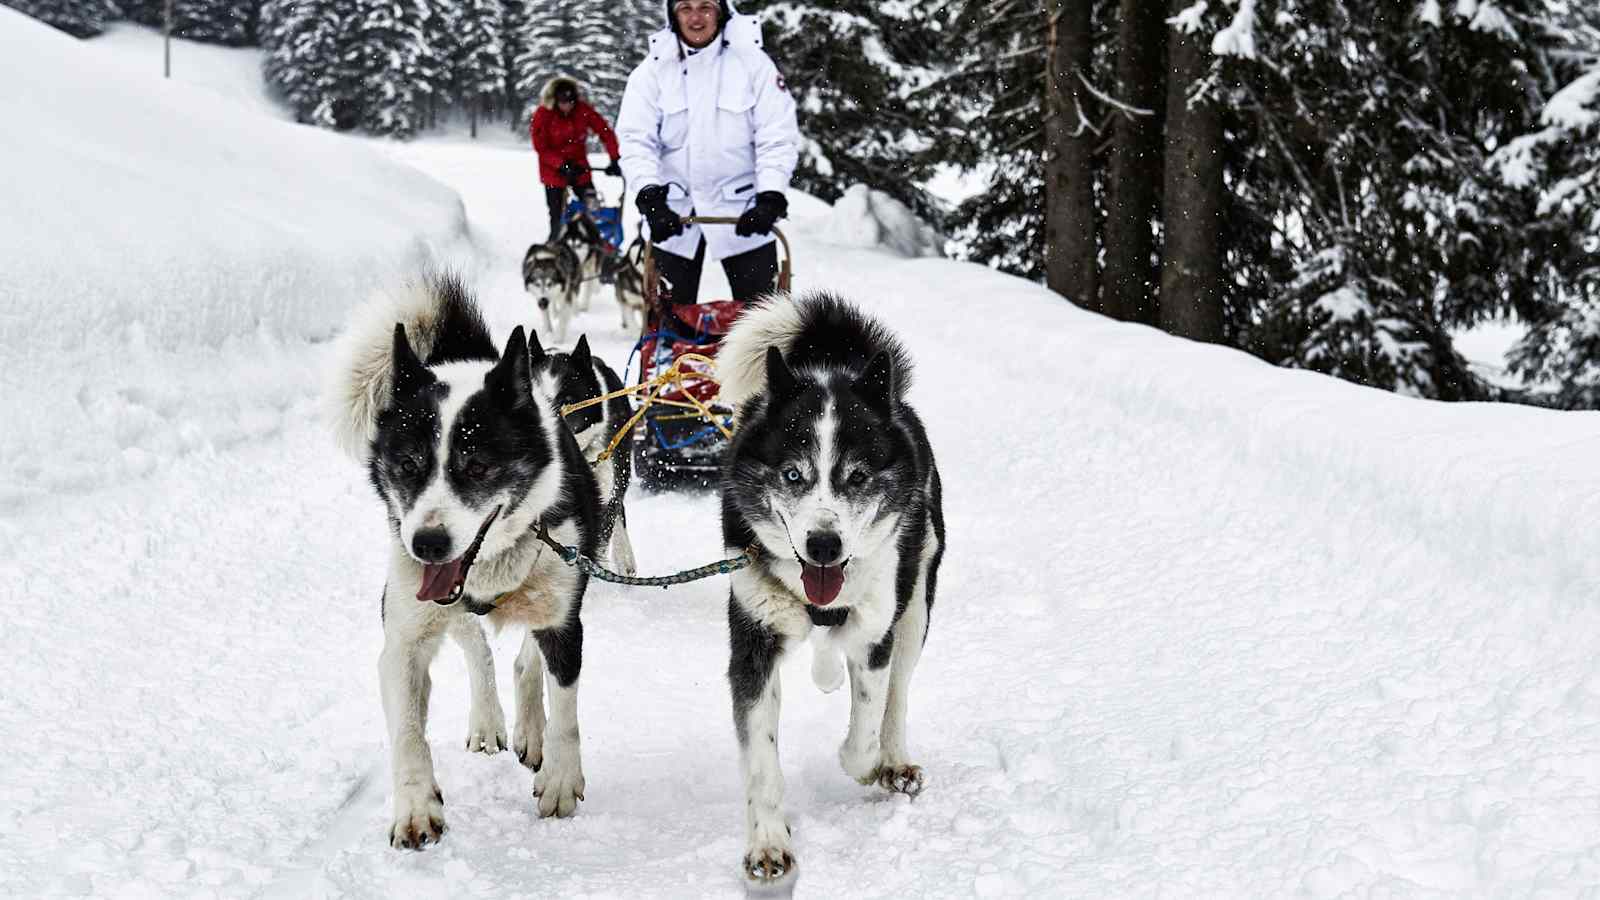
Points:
(560, 138)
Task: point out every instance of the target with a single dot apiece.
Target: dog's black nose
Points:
(431, 545)
(823, 547)
(544, 302)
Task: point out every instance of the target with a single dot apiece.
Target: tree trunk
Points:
(1069, 226)
(1191, 264)
(1129, 283)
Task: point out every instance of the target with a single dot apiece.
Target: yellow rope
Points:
(674, 376)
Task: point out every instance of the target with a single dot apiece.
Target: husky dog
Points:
(468, 458)
(831, 481)
(574, 378)
(628, 270)
(581, 235)
(553, 274)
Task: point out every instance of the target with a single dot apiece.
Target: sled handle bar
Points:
(652, 278)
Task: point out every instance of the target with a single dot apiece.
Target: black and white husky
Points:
(468, 457)
(574, 377)
(552, 274)
(830, 478)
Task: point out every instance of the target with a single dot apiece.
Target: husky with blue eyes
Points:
(830, 479)
(469, 456)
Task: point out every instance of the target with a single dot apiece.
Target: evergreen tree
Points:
(231, 22)
(79, 18)
(546, 46)
(476, 56)
(1556, 169)
(1372, 168)
(604, 32)
(860, 72)
(304, 63)
(393, 65)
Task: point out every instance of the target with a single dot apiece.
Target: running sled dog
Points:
(830, 479)
(468, 457)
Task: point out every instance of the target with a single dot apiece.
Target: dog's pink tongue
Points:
(438, 581)
(822, 583)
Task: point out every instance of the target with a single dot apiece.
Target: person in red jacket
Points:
(560, 131)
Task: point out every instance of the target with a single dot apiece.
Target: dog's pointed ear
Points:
(781, 383)
(536, 354)
(512, 377)
(410, 375)
(582, 359)
(875, 387)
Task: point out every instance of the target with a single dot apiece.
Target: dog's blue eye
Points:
(791, 474)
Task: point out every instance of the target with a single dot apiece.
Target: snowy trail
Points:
(1167, 658)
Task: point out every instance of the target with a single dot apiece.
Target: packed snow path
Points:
(1204, 629)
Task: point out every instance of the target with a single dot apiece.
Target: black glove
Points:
(615, 169)
(770, 207)
(570, 172)
(664, 223)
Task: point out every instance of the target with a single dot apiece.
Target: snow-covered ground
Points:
(1205, 627)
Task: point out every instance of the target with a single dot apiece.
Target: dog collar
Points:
(826, 618)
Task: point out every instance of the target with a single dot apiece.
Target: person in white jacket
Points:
(708, 128)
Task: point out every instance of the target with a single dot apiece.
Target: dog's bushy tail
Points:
(442, 324)
(814, 331)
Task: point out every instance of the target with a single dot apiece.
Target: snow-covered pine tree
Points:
(603, 32)
(476, 57)
(546, 45)
(305, 43)
(596, 43)
(231, 22)
(860, 71)
(989, 107)
(1557, 169)
(1372, 167)
(394, 66)
(79, 18)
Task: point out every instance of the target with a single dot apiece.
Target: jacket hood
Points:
(547, 96)
(739, 31)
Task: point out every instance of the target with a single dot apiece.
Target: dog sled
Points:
(683, 429)
(600, 225)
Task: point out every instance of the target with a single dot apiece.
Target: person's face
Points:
(697, 21)
(566, 103)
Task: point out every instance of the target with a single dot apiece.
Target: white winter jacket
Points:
(716, 126)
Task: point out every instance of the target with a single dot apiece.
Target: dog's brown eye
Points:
(477, 469)
(856, 479)
(410, 465)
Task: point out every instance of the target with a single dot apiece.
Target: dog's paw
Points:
(528, 743)
(827, 667)
(558, 788)
(418, 818)
(770, 868)
(906, 779)
(486, 733)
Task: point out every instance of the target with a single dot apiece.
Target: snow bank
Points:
(865, 217)
(1483, 483)
(131, 199)
(169, 249)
